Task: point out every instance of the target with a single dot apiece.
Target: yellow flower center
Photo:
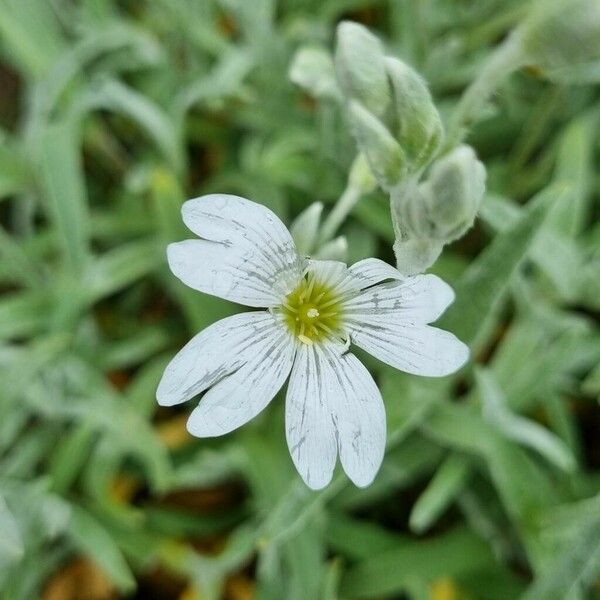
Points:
(312, 311)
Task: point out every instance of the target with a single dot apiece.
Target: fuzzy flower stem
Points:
(507, 58)
(338, 214)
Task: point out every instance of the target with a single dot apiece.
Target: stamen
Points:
(312, 313)
(325, 315)
(311, 285)
(324, 327)
(305, 340)
(329, 303)
(290, 307)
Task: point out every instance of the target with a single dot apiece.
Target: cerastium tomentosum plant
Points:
(317, 308)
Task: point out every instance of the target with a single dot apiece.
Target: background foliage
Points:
(112, 114)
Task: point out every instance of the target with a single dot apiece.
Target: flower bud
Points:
(384, 155)
(421, 130)
(562, 38)
(360, 68)
(457, 186)
(433, 213)
(305, 227)
(312, 70)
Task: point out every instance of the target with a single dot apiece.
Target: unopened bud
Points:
(421, 130)
(383, 153)
(360, 67)
(433, 213)
(562, 38)
(457, 186)
(312, 70)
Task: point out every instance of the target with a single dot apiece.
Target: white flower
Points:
(315, 310)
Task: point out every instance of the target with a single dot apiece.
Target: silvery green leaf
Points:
(360, 67)
(518, 428)
(312, 69)
(305, 227)
(91, 537)
(11, 542)
(383, 153)
(448, 481)
(62, 181)
(482, 286)
(421, 130)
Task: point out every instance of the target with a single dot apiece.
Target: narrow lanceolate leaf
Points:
(11, 543)
(574, 568)
(455, 553)
(448, 481)
(113, 95)
(90, 536)
(64, 192)
(14, 176)
(486, 280)
(519, 428)
(575, 167)
(31, 35)
(121, 267)
(23, 313)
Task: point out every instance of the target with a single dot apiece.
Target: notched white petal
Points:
(421, 350)
(371, 271)
(212, 354)
(224, 272)
(309, 423)
(360, 418)
(241, 396)
(244, 241)
(415, 300)
(334, 405)
(331, 272)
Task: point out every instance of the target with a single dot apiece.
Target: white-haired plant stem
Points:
(506, 59)
(342, 208)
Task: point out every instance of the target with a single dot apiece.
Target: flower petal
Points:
(332, 401)
(332, 272)
(360, 417)
(415, 301)
(363, 274)
(247, 254)
(309, 424)
(371, 271)
(212, 354)
(421, 350)
(239, 397)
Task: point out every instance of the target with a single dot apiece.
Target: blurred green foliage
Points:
(113, 113)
